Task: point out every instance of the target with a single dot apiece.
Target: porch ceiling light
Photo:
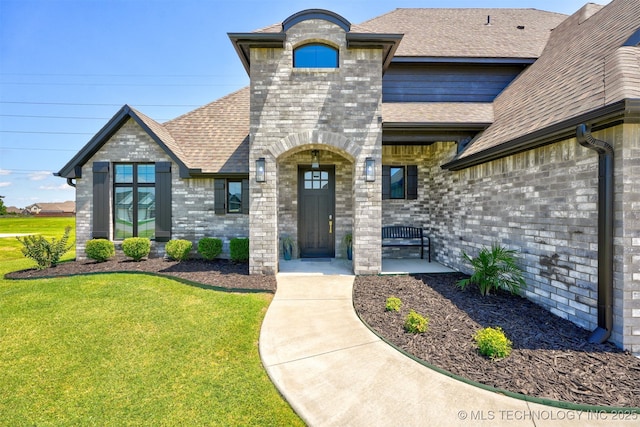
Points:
(369, 169)
(261, 175)
(315, 164)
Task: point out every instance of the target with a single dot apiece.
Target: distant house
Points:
(12, 210)
(67, 208)
(477, 125)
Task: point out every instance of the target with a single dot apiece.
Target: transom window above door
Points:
(315, 55)
(316, 180)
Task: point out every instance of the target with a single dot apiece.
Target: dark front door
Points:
(316, 216)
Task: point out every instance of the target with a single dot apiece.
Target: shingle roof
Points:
(155, 130)
(464, 33)
(437, 112)
(161, 132)
(215, 137)
(565, 81)
(582, 68)
(68, 206)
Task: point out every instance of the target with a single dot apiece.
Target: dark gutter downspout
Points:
(70, 182)
(605, 232)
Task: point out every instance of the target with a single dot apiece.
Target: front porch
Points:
(339, 266)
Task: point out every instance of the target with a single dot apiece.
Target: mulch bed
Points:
(551, 356)
(218, 273)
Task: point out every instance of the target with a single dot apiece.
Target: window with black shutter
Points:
(400, 182)
(231, 196)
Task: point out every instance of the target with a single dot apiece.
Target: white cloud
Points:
(4, 183)
(39, 176)
(5, 172)
(61, 187)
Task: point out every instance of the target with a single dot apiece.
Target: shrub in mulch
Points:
(551, 357)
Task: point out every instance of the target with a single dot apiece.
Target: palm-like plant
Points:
(494, 268)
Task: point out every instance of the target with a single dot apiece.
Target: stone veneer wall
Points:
(627, 238)
(338, 110)
(542, 203)
(415, 213)
(192, 199)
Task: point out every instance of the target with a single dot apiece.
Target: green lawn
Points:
(126, 349)
(48, 227)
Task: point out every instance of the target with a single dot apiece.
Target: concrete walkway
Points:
(335, 372)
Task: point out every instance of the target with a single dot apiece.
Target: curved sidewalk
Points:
(334, 371)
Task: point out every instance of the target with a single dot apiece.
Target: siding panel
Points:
(446, 83)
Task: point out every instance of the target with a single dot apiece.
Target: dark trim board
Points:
(625, 111)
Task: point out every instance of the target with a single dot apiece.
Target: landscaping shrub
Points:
(100, 250)
(136, 247)
(393, 304)
(493, 343)
(239, 249)
(209, 247)
(415, 323)
(178, 250)
(44, 252)
(494, 268)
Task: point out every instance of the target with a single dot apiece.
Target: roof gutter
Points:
(626, 110)
(605, 231)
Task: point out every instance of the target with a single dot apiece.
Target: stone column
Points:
(367, 213)
(263, 218)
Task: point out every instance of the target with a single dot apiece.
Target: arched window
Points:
(315, 55)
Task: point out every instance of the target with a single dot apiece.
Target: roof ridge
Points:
(161, 132)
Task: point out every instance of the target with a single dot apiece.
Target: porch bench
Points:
(405, 236)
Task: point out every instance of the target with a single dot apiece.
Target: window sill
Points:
(315, 70)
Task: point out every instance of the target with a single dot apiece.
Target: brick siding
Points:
(543, 203)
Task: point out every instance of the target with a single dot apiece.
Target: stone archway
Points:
(315, 140)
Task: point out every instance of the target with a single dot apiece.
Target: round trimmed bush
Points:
(209, 247)
(415, 323)
(100, 250)
(493, 343)
(393, 304)
(178, 250)
(136, 247)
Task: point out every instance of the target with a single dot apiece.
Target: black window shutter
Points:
(386, 182)
(412, 182)
(245, 196)
(220, 196)
(100, 200)
(163, 201)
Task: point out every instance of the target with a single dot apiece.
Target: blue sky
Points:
(67, 66)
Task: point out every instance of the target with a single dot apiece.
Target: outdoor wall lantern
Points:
(260, 170)
(315, 163)
(369, 169)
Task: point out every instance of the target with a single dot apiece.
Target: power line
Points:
(60, 117)
(95, 105)
(24, 171)
(114, 84)
(46, 132)
(35, 149)
(114, 75)
(53, 117)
